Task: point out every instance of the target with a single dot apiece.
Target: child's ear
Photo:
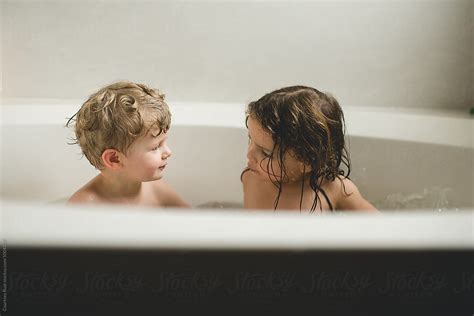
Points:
(111, 159)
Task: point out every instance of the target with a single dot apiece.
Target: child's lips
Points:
(162, 167)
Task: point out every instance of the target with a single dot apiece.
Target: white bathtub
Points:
(401, 159)
(392, 153)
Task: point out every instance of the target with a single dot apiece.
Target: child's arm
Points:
(350, 199)
(170, 197)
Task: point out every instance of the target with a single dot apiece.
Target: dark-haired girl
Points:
(297, 158)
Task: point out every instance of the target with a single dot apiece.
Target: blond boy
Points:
(122, 130)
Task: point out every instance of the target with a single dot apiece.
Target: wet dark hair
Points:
(311, 124)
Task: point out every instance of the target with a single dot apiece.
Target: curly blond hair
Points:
(115, 116)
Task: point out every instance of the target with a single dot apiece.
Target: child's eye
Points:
(266, 154)
(157, 147)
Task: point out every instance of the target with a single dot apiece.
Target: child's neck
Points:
(115, 187)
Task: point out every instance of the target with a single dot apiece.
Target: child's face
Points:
(260, 148)
(147, 157)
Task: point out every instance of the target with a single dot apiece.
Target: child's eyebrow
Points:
(158, 135)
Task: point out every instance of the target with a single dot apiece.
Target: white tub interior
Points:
(400, 160)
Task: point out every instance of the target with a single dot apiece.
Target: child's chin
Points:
(154, 178)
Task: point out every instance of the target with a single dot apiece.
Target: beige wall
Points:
(1, 47)
(385, 53)
(471, 28)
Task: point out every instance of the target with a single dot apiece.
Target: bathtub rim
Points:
(112, 227)
(379, 123)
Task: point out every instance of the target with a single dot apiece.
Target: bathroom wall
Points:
(1, 48)
(471, 82)
(385, 53)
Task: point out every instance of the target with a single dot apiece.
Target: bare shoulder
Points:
(258, 194)
(168, 195)
(349, 198)
(88, 193)
(245, 175)
(249, 178)
(84, 195)
(249, 183)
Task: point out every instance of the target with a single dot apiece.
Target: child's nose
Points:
(167, 153)
(251, 153)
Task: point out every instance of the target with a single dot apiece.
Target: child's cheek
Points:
(154, 158)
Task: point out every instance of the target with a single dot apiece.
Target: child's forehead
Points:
(256, 126)
(261, 135)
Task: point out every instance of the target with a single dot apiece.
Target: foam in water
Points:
(434, 198)
(220, 204)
